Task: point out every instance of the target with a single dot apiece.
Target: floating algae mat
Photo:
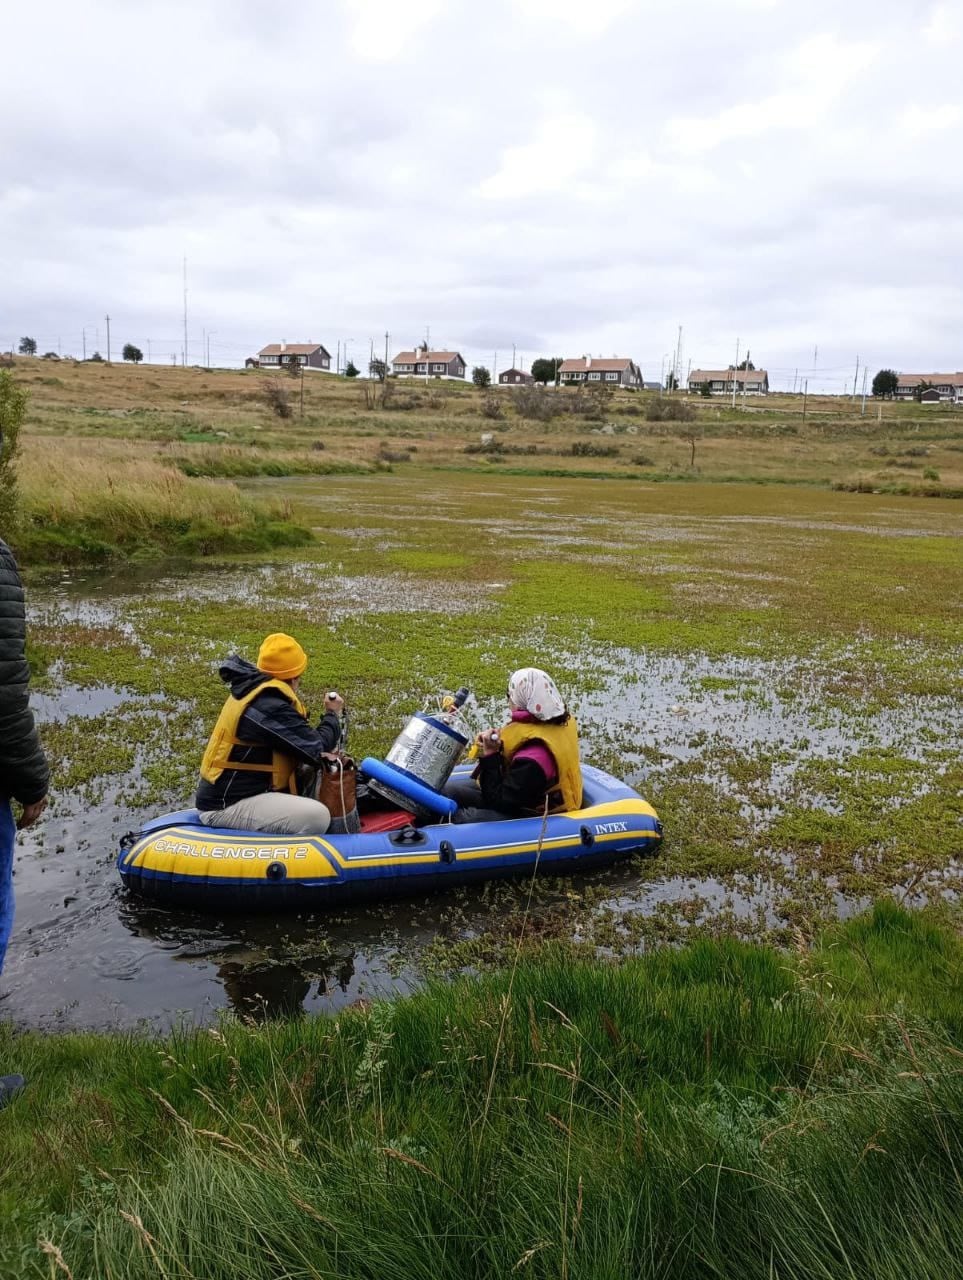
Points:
(777, 671)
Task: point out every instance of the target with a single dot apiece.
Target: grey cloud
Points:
(321, 191)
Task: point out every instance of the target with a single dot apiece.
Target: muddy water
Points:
(84, 955)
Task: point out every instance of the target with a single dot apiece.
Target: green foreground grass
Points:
(722, 1110)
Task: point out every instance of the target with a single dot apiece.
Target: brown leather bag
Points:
(337, 783)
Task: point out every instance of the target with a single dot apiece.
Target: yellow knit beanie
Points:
(282, 657)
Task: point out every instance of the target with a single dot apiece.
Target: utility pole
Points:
(302, 391)
(745, 379)
(385, 378)
(735, 370)
(185, 312)
(427, 345)
(676, 360)
(337, 358)
(855, 376)
(865, 373)
(83, 339)
(107, 318)
(795, 375)
(805, 397)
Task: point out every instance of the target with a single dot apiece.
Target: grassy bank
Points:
(897, 448)
(723, 1110)
(97, 500)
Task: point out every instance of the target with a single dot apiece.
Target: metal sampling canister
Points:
(428, 748)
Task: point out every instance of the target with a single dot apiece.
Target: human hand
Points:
(488, 742)
(334, 702)
(30, 814)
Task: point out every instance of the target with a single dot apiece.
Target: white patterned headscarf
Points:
(532, 690)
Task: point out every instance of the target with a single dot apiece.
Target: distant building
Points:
(754, 382)
(515, 377)
(251, 362)
(436, 364)
(618, 372)
(651, 386)
(947, 386)
(281, 355)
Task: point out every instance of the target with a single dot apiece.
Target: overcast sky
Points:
(569, 177)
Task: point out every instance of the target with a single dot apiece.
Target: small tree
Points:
(545, 370)
(276, 396)
(671, 381)
(96, 358)
(705, 391)
(28, 346)
(13, 406)
(481, 377)
(377, 369)
(132, 353)
(920, 388)
(351, 370)
(885, 384)
(745, 367)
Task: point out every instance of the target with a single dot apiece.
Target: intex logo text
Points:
(607, 828)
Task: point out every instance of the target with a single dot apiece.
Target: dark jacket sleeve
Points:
(273, 719)
(521, 786)
(24, 773)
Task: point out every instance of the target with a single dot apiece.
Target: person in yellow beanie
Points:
(262, 734)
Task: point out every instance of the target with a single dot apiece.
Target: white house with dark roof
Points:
(281, 355)
(948, 387)
(434, 364)
(755, 382)
(617, 372)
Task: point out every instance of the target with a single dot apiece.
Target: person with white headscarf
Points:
(530, 765)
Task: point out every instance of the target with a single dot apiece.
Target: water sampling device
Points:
(422, 757)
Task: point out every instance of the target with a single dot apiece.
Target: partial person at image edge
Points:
(249, 768)
(24, 772)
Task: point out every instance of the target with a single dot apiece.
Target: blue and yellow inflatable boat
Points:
(177, 861)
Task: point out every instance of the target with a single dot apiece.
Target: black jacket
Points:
(518, 790)
(272, 723)
(24, 773)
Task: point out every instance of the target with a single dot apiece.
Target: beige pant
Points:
(272, 811)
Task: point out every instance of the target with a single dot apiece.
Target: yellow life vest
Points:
(217, 756)
(562, 741)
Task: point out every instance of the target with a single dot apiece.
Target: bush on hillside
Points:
(667, 409)
(535, 403)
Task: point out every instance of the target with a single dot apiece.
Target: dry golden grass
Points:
(185, 410)
(121, 486)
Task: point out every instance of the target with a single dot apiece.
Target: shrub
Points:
(930, 473)
(492, 406)
(276, 397)
(481, 377)
(387, 454)
(668, 409)
(589, 449)
(13, 406)
(643, 460)
(535, 403)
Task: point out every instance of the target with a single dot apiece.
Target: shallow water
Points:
(86, 955)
